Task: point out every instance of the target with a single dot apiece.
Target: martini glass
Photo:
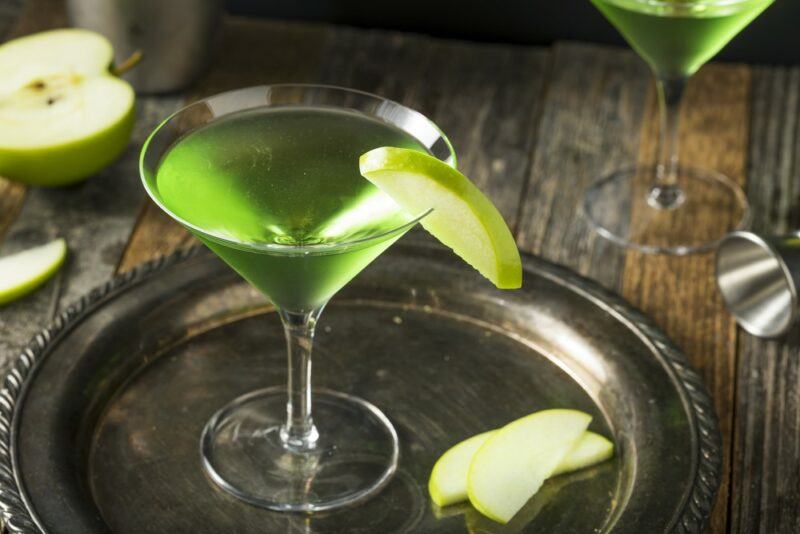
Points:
(268, 178)
(670, 208)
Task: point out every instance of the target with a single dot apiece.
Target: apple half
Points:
(63, 115)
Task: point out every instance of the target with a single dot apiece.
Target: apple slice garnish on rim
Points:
(462, 217)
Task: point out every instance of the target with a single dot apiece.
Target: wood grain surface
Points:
(592, 111)
(533, 127)
(765, 484)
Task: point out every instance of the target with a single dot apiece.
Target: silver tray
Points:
(100, 417)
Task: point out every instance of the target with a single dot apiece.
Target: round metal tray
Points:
(100, 417)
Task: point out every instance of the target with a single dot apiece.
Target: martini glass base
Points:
(354, 456)
(692, 215)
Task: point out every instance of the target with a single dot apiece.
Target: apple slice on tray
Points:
(500, 470)
(24, 271)
(63, 114)
(462, 217)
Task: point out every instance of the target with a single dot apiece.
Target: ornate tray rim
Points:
(16, 515)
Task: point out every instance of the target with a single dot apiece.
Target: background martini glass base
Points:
(620, 208)
(355, 455)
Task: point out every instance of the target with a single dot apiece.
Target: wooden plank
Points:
(488, 99)
(348, 60)
(766, 477)
(592, 117)
(679, 293)
(12, 195)
(250, 52)
(593, 109)
(254, 52)
(10, 11)
(37, 15)
(155, 234)
(34, 15)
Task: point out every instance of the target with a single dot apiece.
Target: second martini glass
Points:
(268, 178)
(670, 208)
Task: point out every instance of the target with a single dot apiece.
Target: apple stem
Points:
(128, 64)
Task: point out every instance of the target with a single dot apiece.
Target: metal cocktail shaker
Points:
(173, 36)
(759, 278)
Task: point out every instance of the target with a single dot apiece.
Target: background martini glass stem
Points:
(299, 433)
(666, 193)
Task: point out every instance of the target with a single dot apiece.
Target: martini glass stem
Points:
(666, 193)
(299, 433)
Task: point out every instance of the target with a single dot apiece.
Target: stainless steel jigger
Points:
(759, 279)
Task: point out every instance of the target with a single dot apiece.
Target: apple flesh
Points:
(511, 466)
(522, 520)
(448, 481)
(63, 116)
(24, 271)
(591, 449)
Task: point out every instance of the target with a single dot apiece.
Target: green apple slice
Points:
(514, 463)
(24, 271)
(462, 217)
(63, 116)
(523, 520)
(591, 449)
(448, 482)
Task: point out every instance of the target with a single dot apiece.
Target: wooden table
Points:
(533, 126)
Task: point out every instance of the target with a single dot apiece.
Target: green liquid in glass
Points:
(285, 176)
(676, 37)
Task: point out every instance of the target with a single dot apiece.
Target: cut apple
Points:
(448, 482)
(462, 217)
(63, 116)
(523, 520)
(514, 462)
(24, 271)
(591, 449)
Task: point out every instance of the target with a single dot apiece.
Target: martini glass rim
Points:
(279, 248)
(674, 3)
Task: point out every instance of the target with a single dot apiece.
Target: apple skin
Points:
(448, 481)
(70, 162)
(511, 466)
(68, 63)
(462, 217)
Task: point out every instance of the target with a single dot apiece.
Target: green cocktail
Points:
(676, 38)
(285, 176)
(666, 207)
(268, 178)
